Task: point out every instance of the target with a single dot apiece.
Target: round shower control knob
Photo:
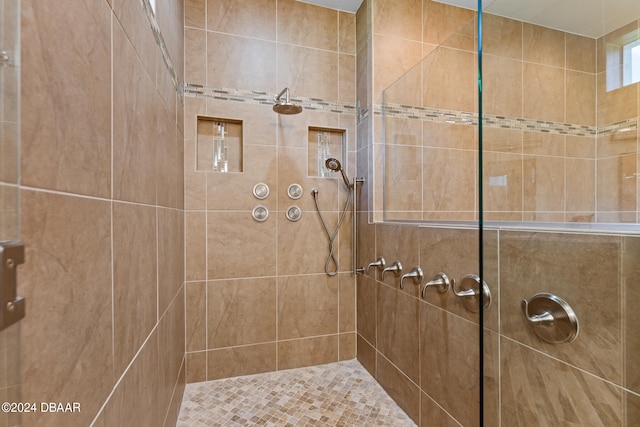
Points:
(261, 191)
(260, 213)
(294, 191)
(294, 213)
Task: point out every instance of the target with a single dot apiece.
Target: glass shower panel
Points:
(10, 378)
(560, 209)
(430, 120)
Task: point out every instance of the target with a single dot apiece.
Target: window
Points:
(631, 63)
(623, 58)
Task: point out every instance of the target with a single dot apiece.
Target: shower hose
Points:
(331, 236)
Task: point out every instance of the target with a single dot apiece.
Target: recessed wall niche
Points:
(325, 143)
(219, 145)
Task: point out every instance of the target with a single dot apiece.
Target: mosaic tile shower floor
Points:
(337, 394)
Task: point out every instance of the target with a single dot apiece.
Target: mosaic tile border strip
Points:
(266, 98)
(503, 122)
(155, 29)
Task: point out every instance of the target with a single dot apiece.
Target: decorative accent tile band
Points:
(155, 28)
(503, 122)
(266, 98)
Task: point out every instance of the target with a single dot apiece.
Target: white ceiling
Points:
(591, 18)
(346, 5)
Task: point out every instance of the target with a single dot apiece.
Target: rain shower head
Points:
(334, 165)
(283, 105)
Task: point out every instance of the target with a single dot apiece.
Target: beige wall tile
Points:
(170, 255)
(347, 81)
(196, 317)
(577, 146)
(393, 58)
(347, 32)
(456, 359)
(231, 236)
(630, 274)
(399, 387)
(135, 290)
(241, 312)
(455, 90)
(307, 352)
(68, 267)
(347, 346)
(397, 243)
(134, 153)
(232, 62)
(544, 92)
(445, 135)
(543, 45)
(135, 398)
(195, 14)
(449, 181)
(303, 245)
(502, 140)
(196, 367)
(366, 309)
(442, 22)
(501, 36)
(502, 86)
(307, 306)
(581, 53)
(614, 191)
(347, 304)
(195, 69)
(403, 178)
(531, 380)
(432, 414)
(66, 139)
(580, 182)
(308, 25)
(398, 19)
(234, 191)
(245, 360)
(308, 72)
(549, 262)
(367, 356)
(196, 245)
(398, 330)
(546, 144)
(171, 342)
(131, 17)
(251, 18)
(616, 105)
(543, 184)
(581, 98)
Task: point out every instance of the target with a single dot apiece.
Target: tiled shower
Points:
(146, 270)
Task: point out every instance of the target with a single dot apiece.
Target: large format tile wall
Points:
(102, 211)
(558, 146)
(424, 350)
(257, 296)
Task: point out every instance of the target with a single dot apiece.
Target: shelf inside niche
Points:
(219, 145)
(325, 143)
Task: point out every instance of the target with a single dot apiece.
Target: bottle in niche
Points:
(323, 153)
(220, 150)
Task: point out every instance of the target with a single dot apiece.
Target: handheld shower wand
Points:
(334, 165)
